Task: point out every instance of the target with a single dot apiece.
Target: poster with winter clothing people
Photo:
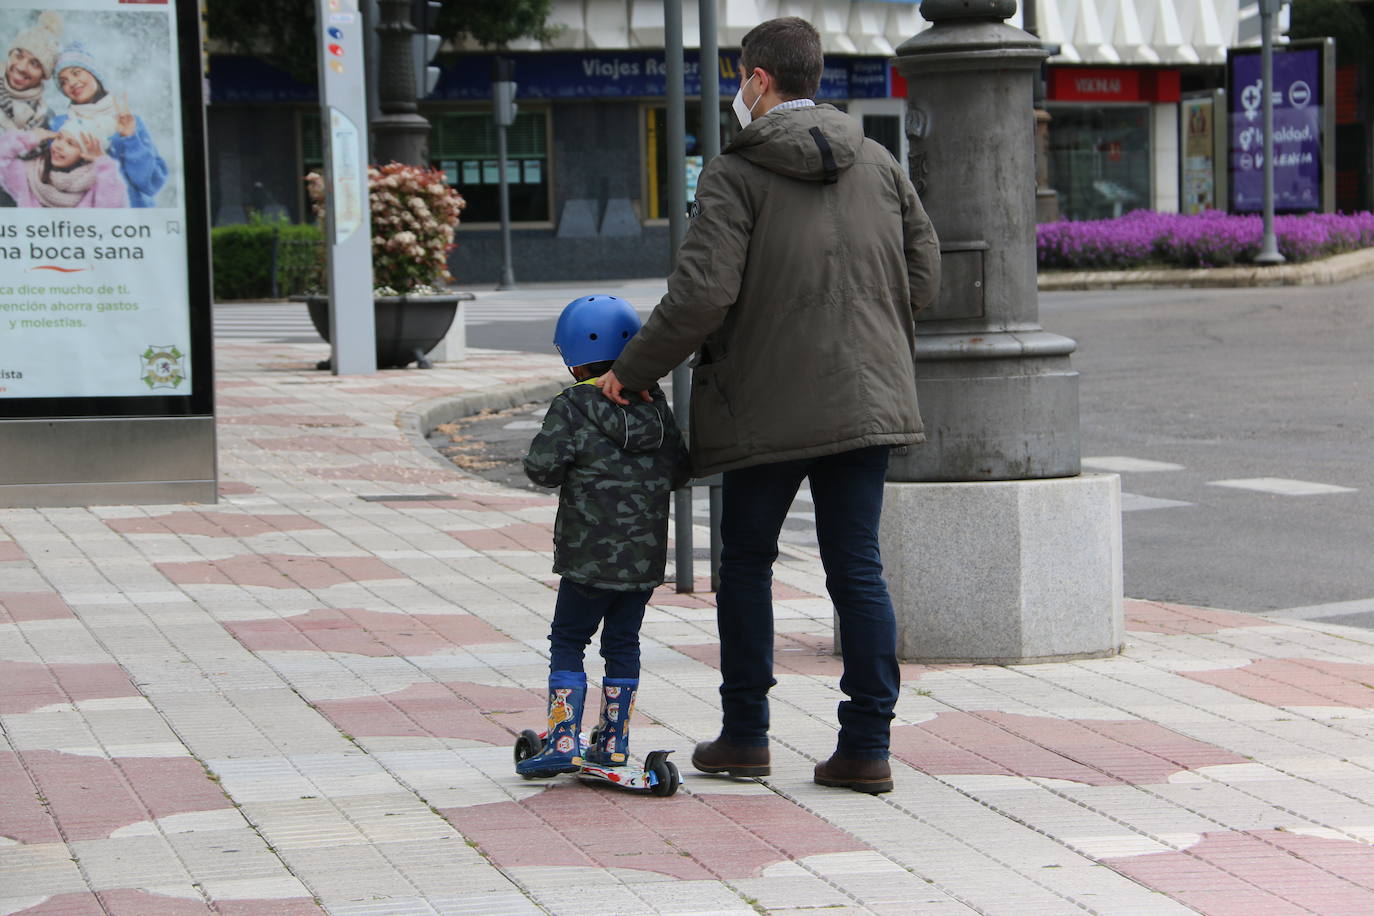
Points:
(85, 95)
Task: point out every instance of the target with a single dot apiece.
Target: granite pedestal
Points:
(1005, 572)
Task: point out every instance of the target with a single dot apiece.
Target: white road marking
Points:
(1121, 464)
(1281, 486)
(1134, 502)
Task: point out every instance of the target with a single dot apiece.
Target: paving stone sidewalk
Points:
(304, 698)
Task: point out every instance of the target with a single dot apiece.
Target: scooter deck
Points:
(659, 775)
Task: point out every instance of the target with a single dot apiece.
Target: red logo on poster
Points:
(1114, 151)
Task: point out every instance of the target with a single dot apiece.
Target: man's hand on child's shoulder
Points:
(610, 386)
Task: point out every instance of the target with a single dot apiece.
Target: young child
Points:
(617, 467)
(39, 168)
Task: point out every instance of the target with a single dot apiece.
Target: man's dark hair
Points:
(787, 49)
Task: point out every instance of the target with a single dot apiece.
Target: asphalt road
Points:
(1224, 384)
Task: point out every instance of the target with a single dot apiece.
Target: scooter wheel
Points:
(666, 778)
(527, 745)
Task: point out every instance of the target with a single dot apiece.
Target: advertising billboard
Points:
(106, 390)
(95, 233)
(1302, 134)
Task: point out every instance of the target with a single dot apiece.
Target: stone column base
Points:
(1005, 572)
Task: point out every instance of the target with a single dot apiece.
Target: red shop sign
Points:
(1112, 84)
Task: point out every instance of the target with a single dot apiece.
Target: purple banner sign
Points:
(1297, 131)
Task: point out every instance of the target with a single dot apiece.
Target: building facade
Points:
(587, 157)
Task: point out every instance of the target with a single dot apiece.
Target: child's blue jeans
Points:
(579, 610)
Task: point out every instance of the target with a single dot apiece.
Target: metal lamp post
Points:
(1269, 246)
(400, 134)
(996, 548)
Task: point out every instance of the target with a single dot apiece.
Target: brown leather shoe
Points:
(861, 775)
(719, 756)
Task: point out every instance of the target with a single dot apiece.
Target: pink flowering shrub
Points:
(1208, 239)
(414, 217)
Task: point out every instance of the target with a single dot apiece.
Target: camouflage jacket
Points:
(617, 467)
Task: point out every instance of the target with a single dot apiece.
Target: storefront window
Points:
(1100, 159)
(656, 153)
(463, 144)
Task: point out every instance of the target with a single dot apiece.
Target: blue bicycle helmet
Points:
(593, 329)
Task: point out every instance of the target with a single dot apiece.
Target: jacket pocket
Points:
(713, 420)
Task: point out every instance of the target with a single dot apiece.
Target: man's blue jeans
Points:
(848, 492)
(576, 615)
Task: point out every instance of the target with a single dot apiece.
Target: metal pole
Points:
(402, 134)
(507, 272)
(677, 228)
(1269, 246)
(709, 68)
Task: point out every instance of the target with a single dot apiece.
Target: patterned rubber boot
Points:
(613, 732)
(562, 749)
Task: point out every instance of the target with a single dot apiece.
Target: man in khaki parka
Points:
(804, 263)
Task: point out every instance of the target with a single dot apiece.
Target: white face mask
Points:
(743, 113)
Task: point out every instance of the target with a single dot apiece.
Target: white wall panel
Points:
(1141, 32)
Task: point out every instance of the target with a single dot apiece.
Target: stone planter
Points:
(407, 327)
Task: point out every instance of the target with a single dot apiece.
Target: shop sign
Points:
(637, 74)
(1112, 84)
(1297, 146)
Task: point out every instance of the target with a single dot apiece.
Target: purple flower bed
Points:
(1209, 239)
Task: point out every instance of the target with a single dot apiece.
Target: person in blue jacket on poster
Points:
(99, 112)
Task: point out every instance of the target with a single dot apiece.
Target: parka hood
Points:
(786, 142)
(638, 428)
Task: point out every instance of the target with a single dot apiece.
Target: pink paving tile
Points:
(688, 837)
(235, 488)
(1157, 617)
(78, 904)
(91, 797)
(238, 400)
(11, 552)
(1092, 752)
(334, 445)
(522, 536)
(1296, 682)
(17, 607)
(366, 632)
(274, 570)
(23, 818)
(387, 473)
(1267, 871)
(214, 524)
(313, 421)
(667, 595)
(446, 710)
(226, 384)
(131, 902)
(32, 685)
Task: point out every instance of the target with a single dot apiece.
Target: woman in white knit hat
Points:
(28, 62)
(95, 110)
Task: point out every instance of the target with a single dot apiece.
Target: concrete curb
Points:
(1336, 269)
(416, 421)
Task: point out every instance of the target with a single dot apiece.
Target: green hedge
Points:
(243, 259)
